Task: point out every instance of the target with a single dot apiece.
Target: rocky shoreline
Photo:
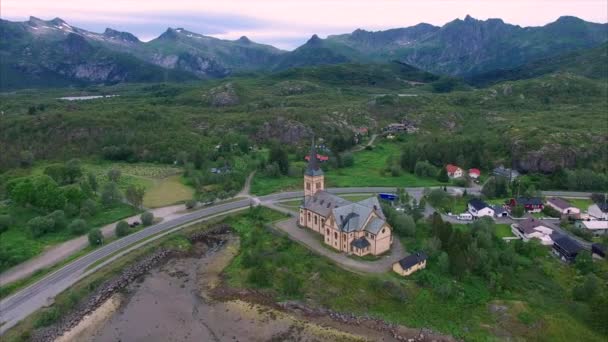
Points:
(209, 237)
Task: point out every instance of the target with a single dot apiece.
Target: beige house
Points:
(410, 264)
(358, 228)
(563, 207)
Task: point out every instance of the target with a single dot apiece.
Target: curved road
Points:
(23, 303)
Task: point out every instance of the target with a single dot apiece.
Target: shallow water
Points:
(169, 305)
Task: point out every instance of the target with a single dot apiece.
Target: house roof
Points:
(498, 209)
(505, 172)
(360, 243)
(374, 225)
(451, 168)
(528, 225)
(319, 157)
(475, 171)
(477, 203)
(412, 259)
(559, 202)
(598, 247)
(353, 217)
(602, 206)
(322, 203)
(372, 202)
(313, 168)
(568, 244)
(529, 200)
(593, 225)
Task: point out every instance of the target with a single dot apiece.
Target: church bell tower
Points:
(314, 179)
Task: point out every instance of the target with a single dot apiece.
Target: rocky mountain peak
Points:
(57, 21)
(244, 40)
(124, 36)
(469, 19)
(170, 34)
(314, 40)
(34, 21)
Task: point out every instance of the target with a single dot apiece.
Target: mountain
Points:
(467, 47)
(53, 53)
(591, 63)
(39, 53)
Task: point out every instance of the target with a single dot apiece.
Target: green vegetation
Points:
(455, 294)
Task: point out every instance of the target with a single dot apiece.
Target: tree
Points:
(59, 220)
(584, 262)
(26, 159)
(40, 225)
(95, 237)
(135, 195)
(122, 229)
(404, 225)
(518, 211)
(110, 194)
(442, 176)
(73, 170)
(425, 169)
(92, 180)
(147, 218)
(436, 197)
(114, 175)
(191, 204)
(279, 155)
(78, 226)
(5, 221)
(347, 159)
(588, 289)
(88, 208)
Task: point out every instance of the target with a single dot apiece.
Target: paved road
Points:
(23, 303)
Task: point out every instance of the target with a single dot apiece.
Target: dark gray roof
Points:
(498, 209)
(313, 168)
(568, 244)
(559, 202)
(412, 259)
(527, 226)
(372, 202)
(322, 202)
(360, 243)
(477, 203)
(374, 225)
(529, 200)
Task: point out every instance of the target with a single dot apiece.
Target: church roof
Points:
(374, 225)
(322, 202)
(313, 168)
(353, 217)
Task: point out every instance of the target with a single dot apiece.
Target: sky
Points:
(289, 23)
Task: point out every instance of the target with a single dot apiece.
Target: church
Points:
(358, 228)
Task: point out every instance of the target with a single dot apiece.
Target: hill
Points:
(592, 63)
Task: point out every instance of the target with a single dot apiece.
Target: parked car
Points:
(465, 217)
(134, 224)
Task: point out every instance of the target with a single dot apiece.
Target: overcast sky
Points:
(289, 23)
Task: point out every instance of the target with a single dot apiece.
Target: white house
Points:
(562, 206)
(479, 208)
(454, 171)
(533, 229)
(598, 211)
(597, 228)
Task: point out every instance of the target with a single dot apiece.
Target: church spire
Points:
(313, 168)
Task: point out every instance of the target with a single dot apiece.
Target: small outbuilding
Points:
(599, 250)
(566, 248)
(410, 264)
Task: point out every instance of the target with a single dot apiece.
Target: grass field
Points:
(369, 169)
(503, 230)
(581, 203)
(167, 191)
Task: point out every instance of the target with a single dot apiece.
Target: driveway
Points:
(312, 241)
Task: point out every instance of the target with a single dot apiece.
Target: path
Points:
(245, 192)
(309, 240)
(64, 250)
(369, 143)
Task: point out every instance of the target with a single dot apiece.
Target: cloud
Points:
(290, 22)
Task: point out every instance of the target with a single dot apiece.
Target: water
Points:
(84, 98)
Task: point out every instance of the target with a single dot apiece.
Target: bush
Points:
(40, 225)
(95, 237)
(5, 222)
(122, 229)
(78, 226)
(147, 218)
(59, 220)
(190, 204)
(395, 171)
(88, 208)
(551, 212)
(518, 211)
(347, 159)
(425, 169)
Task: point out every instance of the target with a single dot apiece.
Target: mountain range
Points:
(38, 53)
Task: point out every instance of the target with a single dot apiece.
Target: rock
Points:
(295, 87)
(547, 159)
(284, 130)
(222, 96)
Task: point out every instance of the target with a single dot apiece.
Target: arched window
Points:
(315, 219)
(383, 229)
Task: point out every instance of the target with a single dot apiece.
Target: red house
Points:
(320, 158)
(531, 204)
(474, 173)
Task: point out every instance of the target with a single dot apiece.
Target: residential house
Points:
(454, 171)
(500, 211)
(566, 248)
(479, 208)
(596, 227)
(507, 173)
(410, 264)
(599, 250)
(474, 173)
(358, 228)
(563, 207)
(531, 204)
(532, 228)
(598, 211)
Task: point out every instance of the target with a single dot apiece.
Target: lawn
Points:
(581, 203)
(369, 169)
(167, 191)
(503, 230)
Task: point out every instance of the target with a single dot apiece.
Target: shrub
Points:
(147, 218)
(95, 237)
(88, 208)
(347, 159)
(551, 212)
(59, 220)
(122, 229)
(40, 225)
(425, 169)
(518, 211)
(5, 222)
(190, 204)
(395, 171)
(78, 226)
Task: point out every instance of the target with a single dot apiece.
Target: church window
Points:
(315, 219)
(383, 230)
(307, 186)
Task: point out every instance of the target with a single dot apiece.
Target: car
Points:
(464, 217)
(134, 224)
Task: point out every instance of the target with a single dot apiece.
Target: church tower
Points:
(314, 179)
